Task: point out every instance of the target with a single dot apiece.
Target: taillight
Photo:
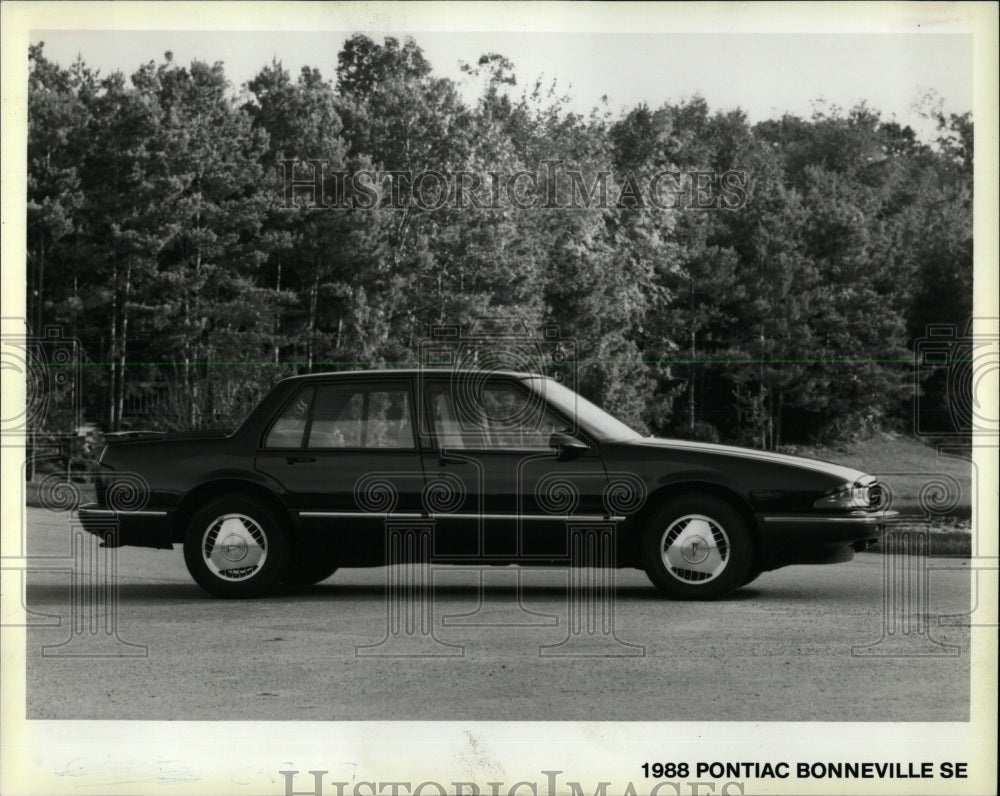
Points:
(102, 476)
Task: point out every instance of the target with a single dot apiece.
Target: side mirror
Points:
(566, 446)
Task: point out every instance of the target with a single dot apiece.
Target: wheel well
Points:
(201, 494)
(665, 493)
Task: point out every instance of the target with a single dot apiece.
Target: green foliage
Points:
(159, 234)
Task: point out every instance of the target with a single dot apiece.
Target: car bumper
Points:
(117, 528)
(819, 539)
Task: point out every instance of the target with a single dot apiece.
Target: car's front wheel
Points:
(236, 546)
(697, 547)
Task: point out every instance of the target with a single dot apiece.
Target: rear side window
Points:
(290, 427)
(353, 416)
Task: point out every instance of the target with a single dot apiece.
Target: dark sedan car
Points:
(498, 467)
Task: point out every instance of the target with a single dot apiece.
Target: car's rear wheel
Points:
(236, 546)
(696, 547)
(309, 568)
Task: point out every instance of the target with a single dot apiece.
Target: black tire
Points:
(701, 561)
(236, 546)
(308, 568)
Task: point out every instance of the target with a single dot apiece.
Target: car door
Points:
(502, 492)
(346, 453)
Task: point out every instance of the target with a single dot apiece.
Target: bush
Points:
(700, 432)
(852, 428)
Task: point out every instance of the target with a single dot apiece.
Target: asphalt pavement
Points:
(800, 644)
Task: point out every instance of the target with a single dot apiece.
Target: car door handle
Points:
(444, 459)
(299, 459)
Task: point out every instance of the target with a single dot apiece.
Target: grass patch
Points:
(952, 543)
(946, 536)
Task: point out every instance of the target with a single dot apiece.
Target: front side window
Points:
(352, 416)
(491, 417)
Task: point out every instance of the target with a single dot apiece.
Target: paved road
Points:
(778, 650)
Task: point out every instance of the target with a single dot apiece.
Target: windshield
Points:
(590, 417)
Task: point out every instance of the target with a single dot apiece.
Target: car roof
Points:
(406, 372)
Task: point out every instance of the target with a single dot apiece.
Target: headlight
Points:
(852, 496)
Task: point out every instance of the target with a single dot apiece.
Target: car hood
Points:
(829, 468)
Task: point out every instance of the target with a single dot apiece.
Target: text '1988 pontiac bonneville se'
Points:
(498, 467)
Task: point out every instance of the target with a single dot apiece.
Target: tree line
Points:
(160, 235)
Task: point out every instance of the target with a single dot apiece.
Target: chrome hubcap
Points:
(694, 549)
(234, 546)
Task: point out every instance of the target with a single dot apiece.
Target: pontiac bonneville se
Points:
(500, 468)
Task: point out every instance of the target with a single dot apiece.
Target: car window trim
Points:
(309, 418)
